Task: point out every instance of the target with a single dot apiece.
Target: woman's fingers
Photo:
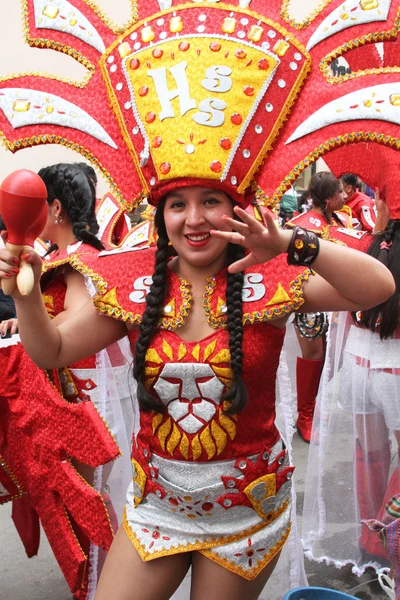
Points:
(229, 236)
(242, 264)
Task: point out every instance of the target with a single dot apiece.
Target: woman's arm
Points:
(347, 279)
(83, 334)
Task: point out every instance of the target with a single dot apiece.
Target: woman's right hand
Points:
(10, 265)
(8, 325)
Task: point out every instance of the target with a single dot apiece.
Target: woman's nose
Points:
(195, 216)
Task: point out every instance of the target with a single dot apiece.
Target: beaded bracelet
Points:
(303, 248)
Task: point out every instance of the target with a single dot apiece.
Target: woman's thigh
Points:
(126, 577)
(211, 581)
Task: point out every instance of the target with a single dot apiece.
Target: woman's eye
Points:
(176, 204)
(212, 201)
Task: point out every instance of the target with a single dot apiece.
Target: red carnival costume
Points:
(204, 480)
(204, 93)
(363, 209)
(78, 383)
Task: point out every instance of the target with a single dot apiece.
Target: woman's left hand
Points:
(265, 241)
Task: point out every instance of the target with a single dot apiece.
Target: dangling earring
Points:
(58, 220)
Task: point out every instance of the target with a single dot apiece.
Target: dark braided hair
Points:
(385, 315)
(324, 185)
(74, 185)
(152, 314)
(237, 394)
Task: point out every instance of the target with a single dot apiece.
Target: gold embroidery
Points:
(153, 356)
(228, 425)
(169, 309)
(219, 436)
(174, 440)
(167, 350)
(223, 356)
(209, 349)
(182, 351)
(172, 323)
(110, 298)
(266, 485)
(157, 419)
(279, 297)
(184, 446)
(207, 441)
(140, 479)
(196, 352)
(163, 432)
(196, 447)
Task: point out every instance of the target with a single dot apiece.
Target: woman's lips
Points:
(198, 239)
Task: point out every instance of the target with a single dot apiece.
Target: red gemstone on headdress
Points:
(165, 168)
(184, 46)
(150, 117)
(216, 166)
(215, 46)
(226, 143)
(240, 53)
(134, 64)
(157, 53)
(207, 506)
(236, 118)
(143, 91)
(157, 141)
(248, 90)
(263, 64)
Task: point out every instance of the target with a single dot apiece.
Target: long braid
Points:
(386, 249)
(237, 394)
(151, 316)
(325, 213)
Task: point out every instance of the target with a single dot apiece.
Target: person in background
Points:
(362, 206)
(288, 205)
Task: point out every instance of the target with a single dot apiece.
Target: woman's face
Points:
(349, 190)
(190, 214)
(336, 202)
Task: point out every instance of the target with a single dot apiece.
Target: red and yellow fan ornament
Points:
(238, 94)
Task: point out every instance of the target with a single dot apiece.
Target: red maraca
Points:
(23, 208)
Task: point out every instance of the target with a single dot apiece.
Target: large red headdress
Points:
(229, 95)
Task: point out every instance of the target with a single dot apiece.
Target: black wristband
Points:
(303, 248)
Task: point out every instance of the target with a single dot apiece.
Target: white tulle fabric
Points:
(115, 402)
(353, 460)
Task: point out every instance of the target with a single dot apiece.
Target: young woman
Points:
(72, 224)
(211, 480)
(362, 207)
(358, 429)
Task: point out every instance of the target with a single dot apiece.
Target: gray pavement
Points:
(40, 578)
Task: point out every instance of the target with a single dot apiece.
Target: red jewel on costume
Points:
(134, 64)
(248, 90)
(184, 46)
(151, 117)
(240, 54)
(226, 143)
(157, 53)
(215, 46)
(165, 168)
(263, 64)
(236, 119)
(216, 166)
(157, 141)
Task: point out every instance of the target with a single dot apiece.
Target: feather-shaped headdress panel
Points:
(224, 94)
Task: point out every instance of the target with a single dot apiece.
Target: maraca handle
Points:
(25, 278)
(9, 285)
